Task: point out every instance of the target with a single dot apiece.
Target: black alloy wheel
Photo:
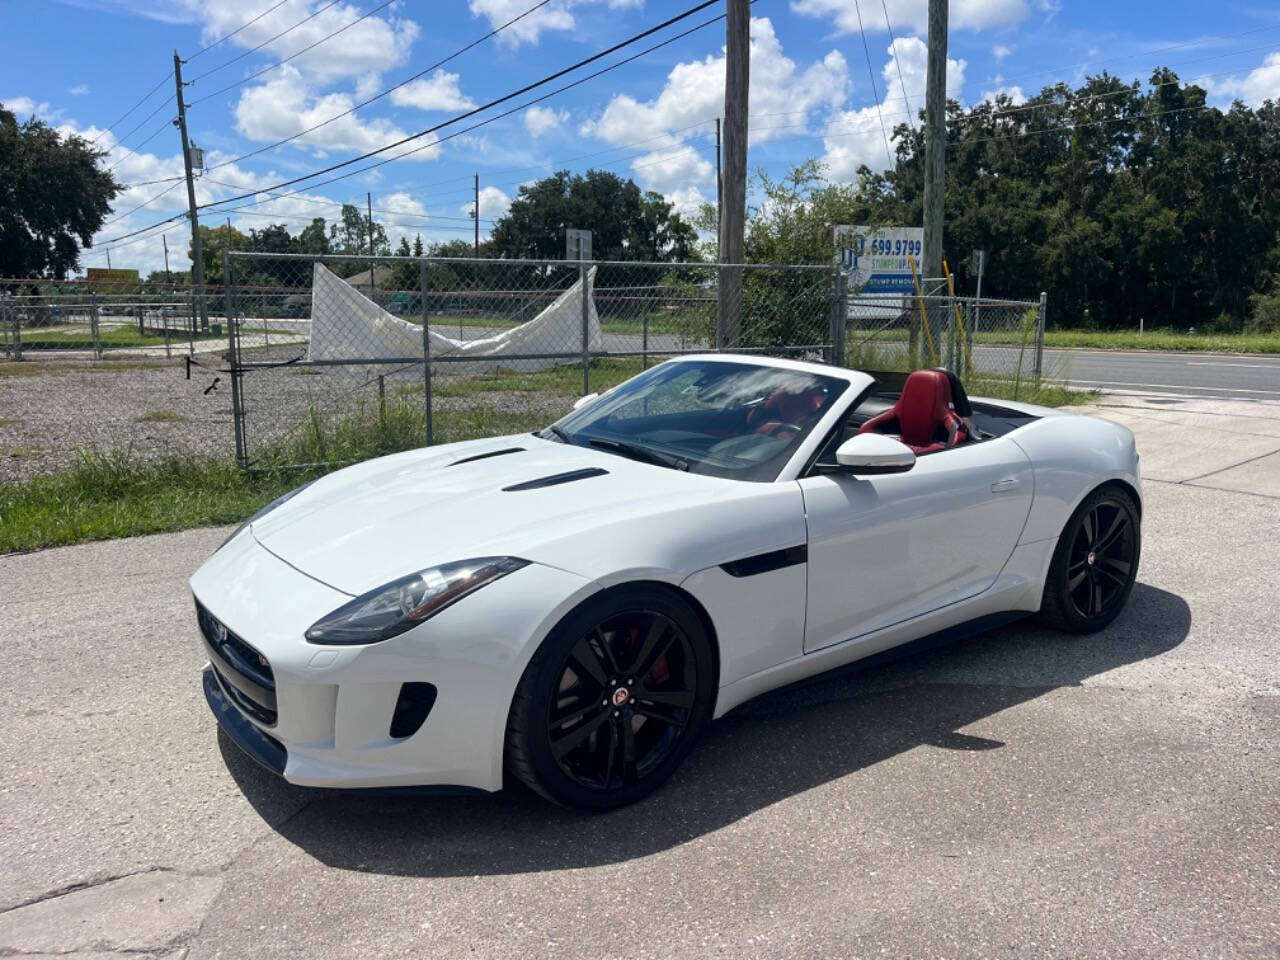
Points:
(611, 702)
(1095, 563)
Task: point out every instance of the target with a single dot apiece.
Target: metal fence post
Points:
(93, 324)
(586, 327)
(426, 353)
(644, 342)
(164, 318)
(191, 349)
(838, 317)
(16, 315)
(233, 355)
(1044, 300)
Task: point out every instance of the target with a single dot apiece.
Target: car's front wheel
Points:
(613, 699)
(1095, 563)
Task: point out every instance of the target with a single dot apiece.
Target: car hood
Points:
(364, 526)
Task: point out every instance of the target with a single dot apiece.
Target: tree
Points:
(625, 223)
(53, 198)
(213, 240)
(314, 239)
(352, 235)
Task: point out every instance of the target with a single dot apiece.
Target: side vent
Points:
(556, 479)
(412, 706)
(485, 456)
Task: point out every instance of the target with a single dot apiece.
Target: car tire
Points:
(613, 700)
(1095, 563)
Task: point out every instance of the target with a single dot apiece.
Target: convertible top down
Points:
(713, 528)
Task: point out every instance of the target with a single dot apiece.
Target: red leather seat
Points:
(786, 411)
(924, 417)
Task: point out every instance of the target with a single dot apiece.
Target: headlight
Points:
(263, 512)
(403, 604)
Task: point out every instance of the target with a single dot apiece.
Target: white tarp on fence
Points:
(347, 325)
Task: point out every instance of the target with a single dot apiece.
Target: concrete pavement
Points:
(1020, 794)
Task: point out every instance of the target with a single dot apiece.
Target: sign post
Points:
(577, 244)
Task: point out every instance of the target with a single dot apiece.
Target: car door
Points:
(884, 549)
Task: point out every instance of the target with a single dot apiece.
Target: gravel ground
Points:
(50, 409)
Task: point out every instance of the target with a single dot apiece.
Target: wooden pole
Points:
(935, 139)
(733, 212)
(197, 259)
(477, 216)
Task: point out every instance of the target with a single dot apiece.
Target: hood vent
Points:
(556, 479)
(485, 456)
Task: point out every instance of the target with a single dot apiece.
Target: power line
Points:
(435, 66)
(893, 43)
(871, 75)
(481, 123)
(292, 56)
(145, 203)
(247, 23)
(253, 50)
(164, 125)
(145, 97)
(480, 109)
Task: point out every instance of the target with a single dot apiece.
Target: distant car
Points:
(572, 607)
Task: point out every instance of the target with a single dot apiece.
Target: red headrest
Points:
(925, 405)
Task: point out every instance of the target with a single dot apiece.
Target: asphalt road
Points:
(1242, 377)
(1023, 794)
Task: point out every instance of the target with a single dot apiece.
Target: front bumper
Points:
(334, 706)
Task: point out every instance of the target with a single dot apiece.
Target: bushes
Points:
(1265, 317)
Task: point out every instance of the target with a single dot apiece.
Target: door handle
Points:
(1006, 486)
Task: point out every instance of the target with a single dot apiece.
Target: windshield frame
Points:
(846, 387)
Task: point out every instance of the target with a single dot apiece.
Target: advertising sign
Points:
(876, 257)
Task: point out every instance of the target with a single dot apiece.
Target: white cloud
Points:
(372, 45)
(285, 106)
(440, 91)
(79, 90)
(539, 120)
(914, 14)
(1012, 91)
(554, 16)
(24, 107)
(855, 137)
(694, 95)
(1001, 50)
(1261, 83)
(494, 203)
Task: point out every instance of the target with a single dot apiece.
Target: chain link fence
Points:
(992, 344)
(373, 354)
(297, 360)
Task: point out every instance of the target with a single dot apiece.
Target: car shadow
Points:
(774, 747)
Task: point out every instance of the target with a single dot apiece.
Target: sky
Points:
(827, 81)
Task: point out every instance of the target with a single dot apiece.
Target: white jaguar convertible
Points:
(570, 608)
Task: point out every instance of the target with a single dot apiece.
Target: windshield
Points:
(734, 420)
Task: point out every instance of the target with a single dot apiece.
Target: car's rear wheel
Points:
(613, 699)
(1095, 563)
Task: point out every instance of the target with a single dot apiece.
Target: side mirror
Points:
(583, 401)
(874, 453)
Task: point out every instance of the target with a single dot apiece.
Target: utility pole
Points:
(733, 190)
(935, 138)
(164, 238)
(719, 199)
(369, 210)
(108, 258)
(475, 214)
(197, 264)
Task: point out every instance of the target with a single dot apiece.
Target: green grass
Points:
(563, 381)
(117, 337)
(160, 416)
(1164, 340)
(115, 495)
